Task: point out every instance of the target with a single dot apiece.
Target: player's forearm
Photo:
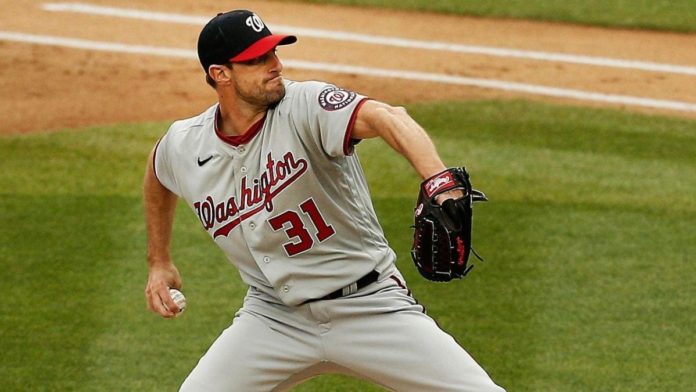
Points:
(415, 145)
(160, 206)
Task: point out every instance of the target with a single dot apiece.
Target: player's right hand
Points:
(161, 278)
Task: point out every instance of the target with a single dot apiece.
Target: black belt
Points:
(366, 280)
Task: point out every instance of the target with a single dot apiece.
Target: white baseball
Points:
(178, 298)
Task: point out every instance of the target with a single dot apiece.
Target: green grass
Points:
(588, 283)
(674, 15)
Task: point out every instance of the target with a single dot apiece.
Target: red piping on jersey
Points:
(348, 141)
(154, 157)
(238, 140)
(408, 292)
(400, 284)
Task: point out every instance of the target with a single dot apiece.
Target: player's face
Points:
(259, 81)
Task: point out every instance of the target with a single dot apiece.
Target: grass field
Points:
(674, 15)
(588, 237)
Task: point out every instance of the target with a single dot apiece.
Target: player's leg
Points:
(394, 342)
(255, 353)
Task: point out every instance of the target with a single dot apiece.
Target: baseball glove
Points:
(442, 238)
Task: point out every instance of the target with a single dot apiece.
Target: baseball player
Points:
(271, 173)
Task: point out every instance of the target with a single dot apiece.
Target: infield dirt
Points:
(49, 87)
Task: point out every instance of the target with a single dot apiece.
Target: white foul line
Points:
(96, 45)
(366, 71)
(381, 40)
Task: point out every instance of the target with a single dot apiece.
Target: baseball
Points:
(178, 298)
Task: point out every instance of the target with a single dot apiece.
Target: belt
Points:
(366, 280)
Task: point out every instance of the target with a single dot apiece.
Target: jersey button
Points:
(286, 288)
(252, 225)
(243, 169)
(266, 259)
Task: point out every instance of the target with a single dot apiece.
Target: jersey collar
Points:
(238, 140)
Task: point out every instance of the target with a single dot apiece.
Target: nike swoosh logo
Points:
(204, 161)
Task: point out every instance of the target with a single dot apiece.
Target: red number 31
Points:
(300, 238)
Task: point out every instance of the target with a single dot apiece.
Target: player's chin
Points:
(275, 93)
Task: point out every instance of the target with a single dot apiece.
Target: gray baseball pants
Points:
(379, 334)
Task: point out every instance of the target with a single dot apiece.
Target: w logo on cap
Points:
(237, 36)
(255, 23)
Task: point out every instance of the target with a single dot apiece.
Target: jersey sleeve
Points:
(328, 114)
(163, 165)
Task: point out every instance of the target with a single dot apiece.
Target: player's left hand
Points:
(443, 225)
(451, 194)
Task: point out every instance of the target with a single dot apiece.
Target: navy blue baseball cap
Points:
(234, 36)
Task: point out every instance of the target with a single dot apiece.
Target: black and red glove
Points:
(442, 238)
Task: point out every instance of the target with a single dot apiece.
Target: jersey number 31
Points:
(301, 239)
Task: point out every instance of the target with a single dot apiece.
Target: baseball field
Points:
(578, 120)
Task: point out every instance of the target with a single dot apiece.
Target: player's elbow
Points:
(394, 111)
(388, 116)
(399, 110)
(379, 119)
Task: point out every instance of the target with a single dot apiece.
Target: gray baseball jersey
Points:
(287, 201)
(288, 204)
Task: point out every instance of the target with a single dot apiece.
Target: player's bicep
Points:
(365, 121)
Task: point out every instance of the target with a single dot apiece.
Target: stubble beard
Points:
(275, 96)
(263, 96)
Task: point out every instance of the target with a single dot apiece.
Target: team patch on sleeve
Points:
(333, 98)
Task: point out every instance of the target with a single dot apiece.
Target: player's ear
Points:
(219, 74)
